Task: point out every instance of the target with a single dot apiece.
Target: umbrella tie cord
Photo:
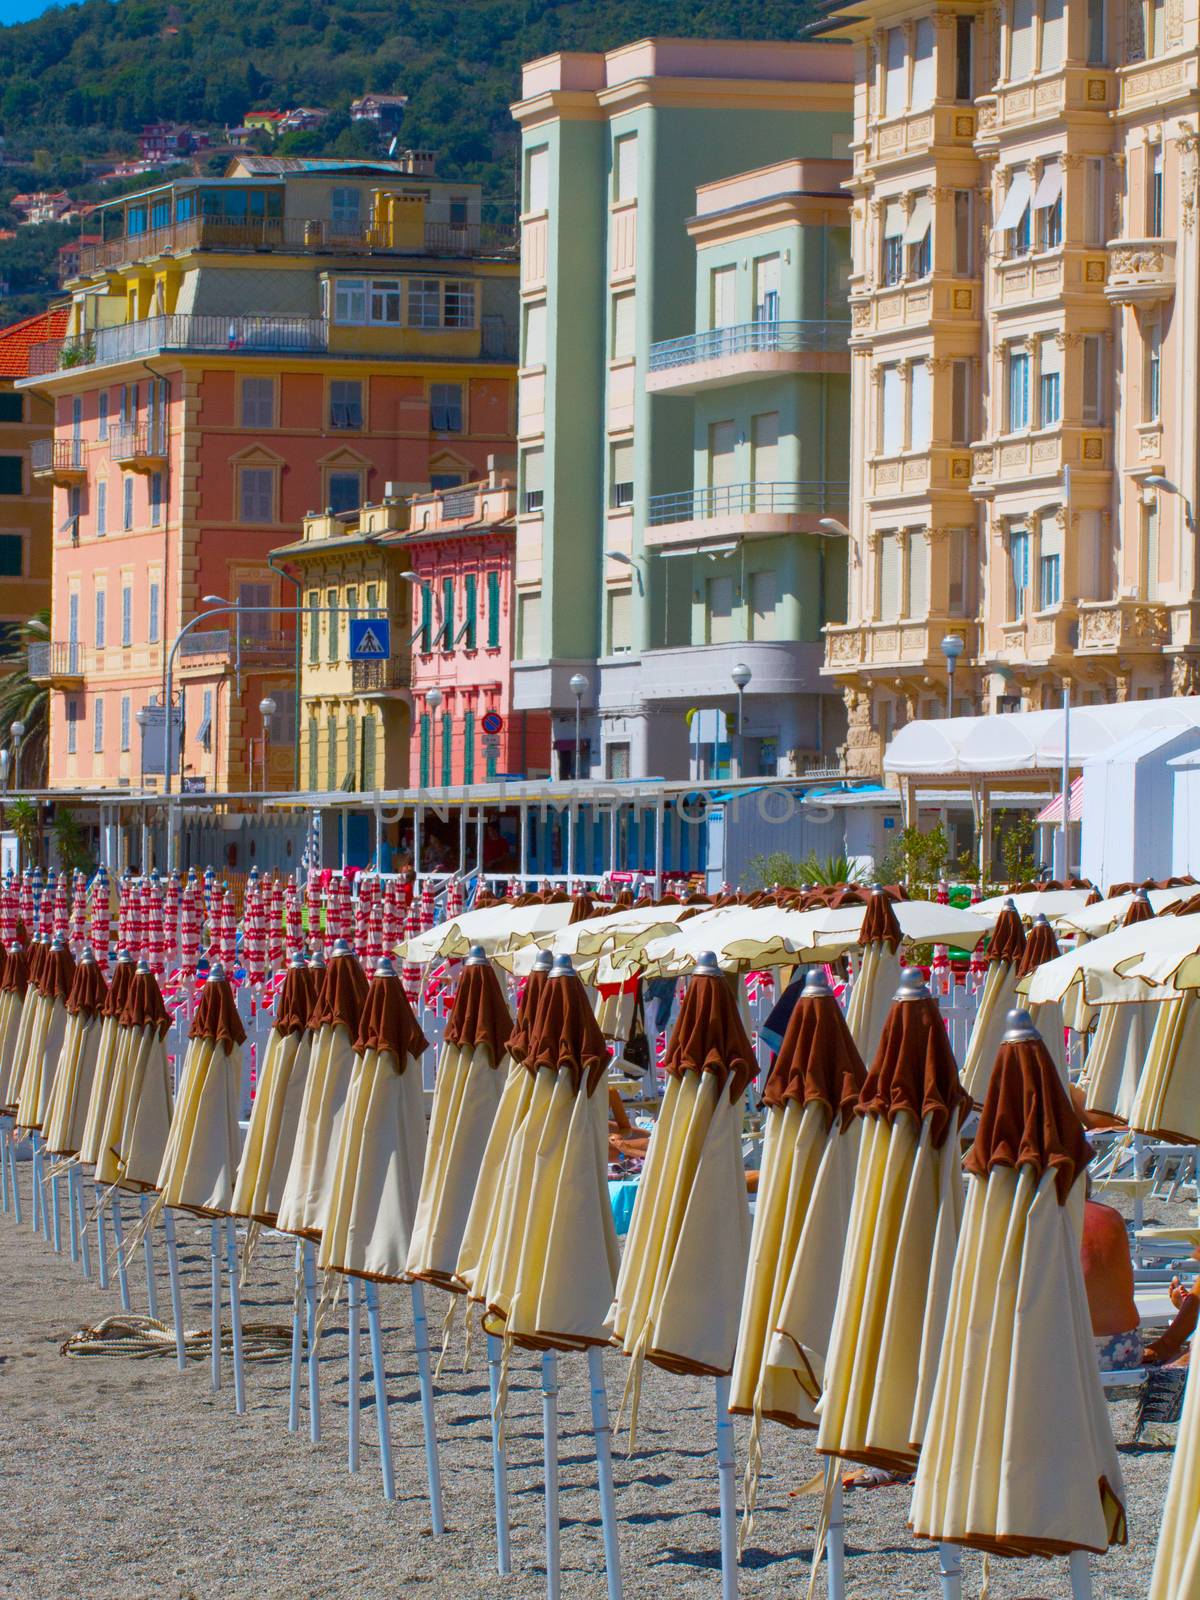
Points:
(632, 1394)
(985, 1587)
(331, 1289)
(447, 1330)
(832, 1468)
(751, 1474)
(138, 1337)
(499, 1415)
(61, 1168)
(298, 1288)
(469, 1339)
(253, 1231)
(142, 1227)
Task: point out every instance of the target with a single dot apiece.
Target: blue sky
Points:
(22, 10)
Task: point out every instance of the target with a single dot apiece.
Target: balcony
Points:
(64, 461)
(684, 673)
(1109, 626)
(300, 235)
(917, 132)
(133, 340)
(750, 510)
(916, 306)
(1008, 461)
(142, 449)
(60, 664)
(1042, 637)
(223, 645)
(1141, 272)
(745, 352)
(887, 646)
(381, 677)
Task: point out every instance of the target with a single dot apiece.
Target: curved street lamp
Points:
(741, 676)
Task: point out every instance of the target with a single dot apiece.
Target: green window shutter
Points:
(314, 627)
(425, 750)
(447, 749)
(368, 753)
(472, 586)
(351, 751)
(426, 617)
(447, 613)
(493, 605)
(314, 739)
(469, 739)
(331, 761)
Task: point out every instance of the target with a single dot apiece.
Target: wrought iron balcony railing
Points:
(750, 338)
(815, 497)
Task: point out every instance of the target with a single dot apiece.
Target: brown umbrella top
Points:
(1140, 910)
(817, 1059)
(479, 1014)
(216, 1016)
(521, 1037)
(565, 1035)
(118, 989)
(37, 957)
(88, 989)
(879, 925)
(56, 973)
(708, 1035)
(16, 972)
(342, 994)
(1007, 942)
(1027, 1117)
(1041, 945)
(387, 1019)
(582, 907)
(914, 1068)
(297, 996)
(144, 1004)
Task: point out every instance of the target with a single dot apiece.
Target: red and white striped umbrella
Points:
(514, 889)
(374, 938)
(943, 892)
(27, 903)
(293, 921)
(101, 917)
(393, 919)
(62, 904)
(428, 913)
(410, 971)
(227, 930)
(189, 934)
(454, 899)
(276, 954)
(79, 912)
(172, 894)
(362, 920)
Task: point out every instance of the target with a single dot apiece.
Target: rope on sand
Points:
(138, 1337)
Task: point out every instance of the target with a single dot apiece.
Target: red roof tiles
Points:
(18, 339)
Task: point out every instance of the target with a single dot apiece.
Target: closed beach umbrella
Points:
(878, 974)
(201, 1156)
(1121, 1045)
(275, 1114)
(1166, 1101)
(31, 1004)
(381, 1141)
(71, 1093)
(1041, 946)
(805, 1191)
(690, 1229)
(999, 995)
(12, 1000)
(1177, 1560)
(1018, 1457)
(895, 1277)
(47, 1031)
(334, 1026)
(104, 1075)
(471, 1075)
(145, 1076)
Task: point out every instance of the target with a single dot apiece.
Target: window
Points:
(98, 727)
(258, 402)
(352, 601)
(623, 327)
(532, 490)
(101, 507)
(891, 411)
(1097, 24)
(720, 610)
(72, 726)
(345, 210)
(73, 617)
(722, 444)
(493, 610)
(958, 594)
(126, 615)
(723, 293)
(917, 597)
(425, 630)
(529, 627)
(447, 749)
(345, 491)
(961, 410)
(460, 210)
(764, 606)
(1150, 550)
(350, 300)
(1050, 567)
(535, 335)
(12, 555)
(537, 179)
(1049, 382)
(1052, 35)
(1018, 390)
(424, 303)
(1018, 571)
(1047, 205)
(1152, 398)
(766, 288)
(1020, 40)
(964, 40)
(625, 167)
(923, 81)
(314, 627)
(888, 606)
(470, 611)
(12, 476)
(895, 73)
(1095, 225)
(445, 480)
(893, 243)
(459, 308)
(331, 637)
(620, 622)
(345, 403)
(964, 233)
(101, 618)
(256, 494)
(126, 721)
(916, 238)
(314, 740)
(11, 408)
(446, 632)
(620, 474)
(1154, 191)
(331, 752)
(156, 499)
(1093, 379)
(102, 428)
(385, 300)
(616, 762)
(446, 407)
(152, 626)
(920, 406)
(1158, 27)
(351, 750)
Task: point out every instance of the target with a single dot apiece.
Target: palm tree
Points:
(23, 700)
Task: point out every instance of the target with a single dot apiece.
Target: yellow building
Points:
(1025, 344)
(25, 501)
(354, 715)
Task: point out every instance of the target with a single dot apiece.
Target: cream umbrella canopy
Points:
(66, 1112)
(91, 1144)
(31, 1003)
(496, 928)
(624, 930)
(904, 1218)
(200, 1159)
(46, 1033)
(1176, 1573)
(334, 1025)
(145, 1076)
(691, 1220)
(1018, 1458)
(805, 1189)
(1005, 949)
(470, 1080)
(1122, 1041)
(1041, 946)
(1049, 902)
(275, 1114)
(879, 938)
(12, 999)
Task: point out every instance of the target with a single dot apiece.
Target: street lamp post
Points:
(142, 717)
(433, 700)
(741, 676)
(1155, 480)
(17, 729)
(952, 648)
(267, 709)
(579, 687)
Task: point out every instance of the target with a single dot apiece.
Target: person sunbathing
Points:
(1108, 1278)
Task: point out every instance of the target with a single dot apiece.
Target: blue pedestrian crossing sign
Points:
(370, 638)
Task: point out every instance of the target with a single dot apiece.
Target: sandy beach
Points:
(126, 1480)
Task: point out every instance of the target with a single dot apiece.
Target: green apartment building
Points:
(684, 402)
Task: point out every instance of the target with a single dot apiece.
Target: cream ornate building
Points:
(1026, 361)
